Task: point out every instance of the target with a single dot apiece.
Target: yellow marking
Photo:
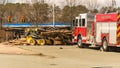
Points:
(118, 28)
(118, 35)
(118, 16)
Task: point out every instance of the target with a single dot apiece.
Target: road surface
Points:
(61, 57)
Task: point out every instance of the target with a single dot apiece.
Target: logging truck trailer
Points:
(102, 30)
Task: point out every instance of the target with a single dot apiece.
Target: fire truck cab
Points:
(100, 29)
(82, 32)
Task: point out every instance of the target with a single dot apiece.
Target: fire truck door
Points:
(76, 27)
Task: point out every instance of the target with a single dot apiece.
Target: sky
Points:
(101, 2)
(62, 2)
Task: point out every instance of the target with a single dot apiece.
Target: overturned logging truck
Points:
(42, 34)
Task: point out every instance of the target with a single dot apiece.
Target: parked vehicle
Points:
(100, 29)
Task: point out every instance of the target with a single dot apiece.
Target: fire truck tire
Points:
(104, 46)
(79, 43)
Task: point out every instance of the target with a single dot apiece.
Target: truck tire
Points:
(79, 42)
(104, 46)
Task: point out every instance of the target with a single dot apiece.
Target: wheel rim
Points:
(79, 42)
(104, 45)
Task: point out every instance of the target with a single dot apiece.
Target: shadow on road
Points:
(103, 67)
(111, 49)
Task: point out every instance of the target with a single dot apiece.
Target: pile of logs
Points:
(59, 37)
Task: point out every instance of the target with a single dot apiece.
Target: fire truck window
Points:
(76, 22)
(79, 22)
(83, 22)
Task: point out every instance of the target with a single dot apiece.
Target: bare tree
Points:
(92, 4)
(67, 2)
(110, 5)
(73, 2)
(42, 1)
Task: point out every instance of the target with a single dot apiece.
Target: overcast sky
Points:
(62, 2)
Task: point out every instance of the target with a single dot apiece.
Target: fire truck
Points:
(102, 30)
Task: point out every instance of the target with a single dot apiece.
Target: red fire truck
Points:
(101, 30)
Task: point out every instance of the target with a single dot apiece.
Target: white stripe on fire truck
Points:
(84, 38)
(75, 37)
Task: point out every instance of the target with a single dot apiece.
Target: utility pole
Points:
(53, 12)
(54, 15)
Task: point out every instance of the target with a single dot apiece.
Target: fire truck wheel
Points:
(104, 46)
(80, 45)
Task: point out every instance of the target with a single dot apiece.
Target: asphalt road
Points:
(61, 57)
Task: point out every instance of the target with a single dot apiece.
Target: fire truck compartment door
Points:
(105, 28)
(112, 34)
(98, 32)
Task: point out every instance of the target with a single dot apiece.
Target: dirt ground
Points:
(11, 50)
(60, 57)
